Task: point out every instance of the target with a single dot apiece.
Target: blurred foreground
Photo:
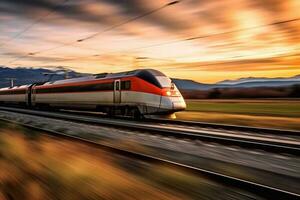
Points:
(41, 167)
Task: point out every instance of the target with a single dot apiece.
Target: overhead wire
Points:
(93, 35)
(128, 21)
(19, 34)
(154, 45)
(189, 39)
(203, 36)
(109, 28)
(53, 10)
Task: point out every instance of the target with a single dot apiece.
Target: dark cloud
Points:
(71, 13)
(272, 6)
(212, 13)
(140, 7)
(33, 8)
(74, 10)
(25, 7)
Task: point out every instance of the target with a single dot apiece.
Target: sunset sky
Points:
(203, 40)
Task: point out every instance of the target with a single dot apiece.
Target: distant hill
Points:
(260, 80)
(186, 84)
(241, 88)
(25, 76)
(32, 75)
(183, 84)
(268, 83)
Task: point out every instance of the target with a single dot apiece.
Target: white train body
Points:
(148, 92)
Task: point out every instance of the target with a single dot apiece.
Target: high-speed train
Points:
(144, 92)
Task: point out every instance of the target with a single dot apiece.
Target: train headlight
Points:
(171, 93)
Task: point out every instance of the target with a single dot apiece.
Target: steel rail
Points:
(226, 127)
(256, 188)
(277, 147)
(230, 127)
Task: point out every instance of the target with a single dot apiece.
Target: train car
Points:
(135, 93)
(14, 95)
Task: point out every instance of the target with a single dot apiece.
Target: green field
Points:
(262, 113)
(285, 108)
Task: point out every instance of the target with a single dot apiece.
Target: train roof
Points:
(138, 72)
(16, 87)
(107, 76)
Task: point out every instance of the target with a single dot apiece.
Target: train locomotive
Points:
(138, 93)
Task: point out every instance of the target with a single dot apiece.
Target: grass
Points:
(282, 108)
(47, 169)
(41, 167)
(262, 113)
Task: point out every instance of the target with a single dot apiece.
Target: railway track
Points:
(225, 127)
(257, 130)
(265, 191)
(279, 145)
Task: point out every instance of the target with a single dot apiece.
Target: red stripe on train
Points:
(137, 84)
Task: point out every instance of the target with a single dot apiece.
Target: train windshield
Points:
(164, 81)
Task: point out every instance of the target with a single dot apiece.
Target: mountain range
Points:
(261, 79)
(31, 75)
(25, 76)
(249, 82)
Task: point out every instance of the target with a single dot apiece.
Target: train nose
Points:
(172, 104)
(172, 100)
(179, 104)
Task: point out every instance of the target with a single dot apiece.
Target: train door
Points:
(28, 96)
(33, 93)
(117, 91)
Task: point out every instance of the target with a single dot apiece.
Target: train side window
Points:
(117, 85)
(126, 85)
(103, 75)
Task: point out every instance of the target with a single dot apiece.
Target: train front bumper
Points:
(172, 104)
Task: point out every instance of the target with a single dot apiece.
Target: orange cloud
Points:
(191, 38)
